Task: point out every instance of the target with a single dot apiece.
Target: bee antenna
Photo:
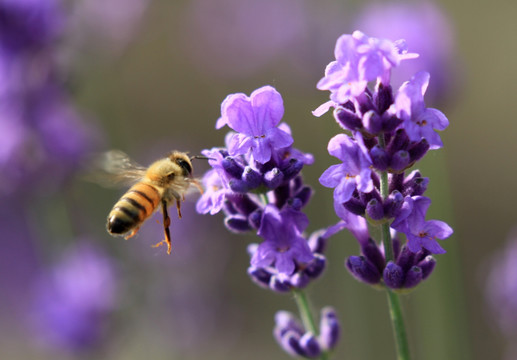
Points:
(202, 157)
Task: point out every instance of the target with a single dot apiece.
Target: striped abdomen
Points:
(137, 204)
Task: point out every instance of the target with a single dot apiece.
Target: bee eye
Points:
(184, 165)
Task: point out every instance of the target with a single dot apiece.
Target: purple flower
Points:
(359, 60)
(419, 122)
(501, 287)
(216, 184)
(29, 25)
(73, 299)
(298, 341)
(426, 27)
(255, 118)
(283, 246)
(354, 173)
(421, 233)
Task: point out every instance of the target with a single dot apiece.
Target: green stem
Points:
(397, 319)
(306, 315)
(399, 329)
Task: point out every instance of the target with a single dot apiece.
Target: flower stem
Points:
(397, 320)
(399, 329)
(306, 315)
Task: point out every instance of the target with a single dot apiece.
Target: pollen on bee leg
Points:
(164, 241)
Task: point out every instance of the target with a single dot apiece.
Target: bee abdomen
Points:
(133, 208)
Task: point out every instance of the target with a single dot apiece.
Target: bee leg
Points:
(166, 224)
(178, 206)
(132, 233)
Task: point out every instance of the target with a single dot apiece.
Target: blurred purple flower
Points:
(29, 25)
(74, 298)
(43, 139)
(265, 29)
(108, 25)
(426, 27)
(501, 287)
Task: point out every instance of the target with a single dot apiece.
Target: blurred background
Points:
(148, 76)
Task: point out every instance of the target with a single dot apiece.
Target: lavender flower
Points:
(353, 173)
(73, 299)
(255, 180)
(259, 158)
(390, 133)
(284, 245)
(359, 60)
(501, 287)
(419, 121)
(295, 340)
(42, 131)
(255, 119)
(425, 26)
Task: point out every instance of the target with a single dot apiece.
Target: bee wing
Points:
(115, 168)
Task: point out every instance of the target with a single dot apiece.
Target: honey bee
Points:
(165, 181)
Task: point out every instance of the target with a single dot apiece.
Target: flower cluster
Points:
(255, 180)
(295, 340)
(72, 299)
(41, 131)
(386, 134)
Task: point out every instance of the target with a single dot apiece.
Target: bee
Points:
(164, 182)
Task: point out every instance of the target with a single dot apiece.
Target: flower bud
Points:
(299, 280)
(355, 206)
(390, 122)
(316, 266)
(304, 195)
(348, 119)
(232, 167)
(363, 270)
(372, 122)
(238, 186)
(418, 150)
(237, 223)
(374, 255)
(260, 276)
(399, 141)
(399, 160)
(290, 342)
(255, 218)
(406, 258)
(427, 265)
(375, 210)
(384, 97)
(310, 345)
(330, 329)
(415, 186)
(273, 178)
(392, 204)
(293, 168)
(380, 158)
(393, 276)
(251, 178)
(413, 277)
(278, 285)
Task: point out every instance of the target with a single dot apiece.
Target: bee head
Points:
(183, 161)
